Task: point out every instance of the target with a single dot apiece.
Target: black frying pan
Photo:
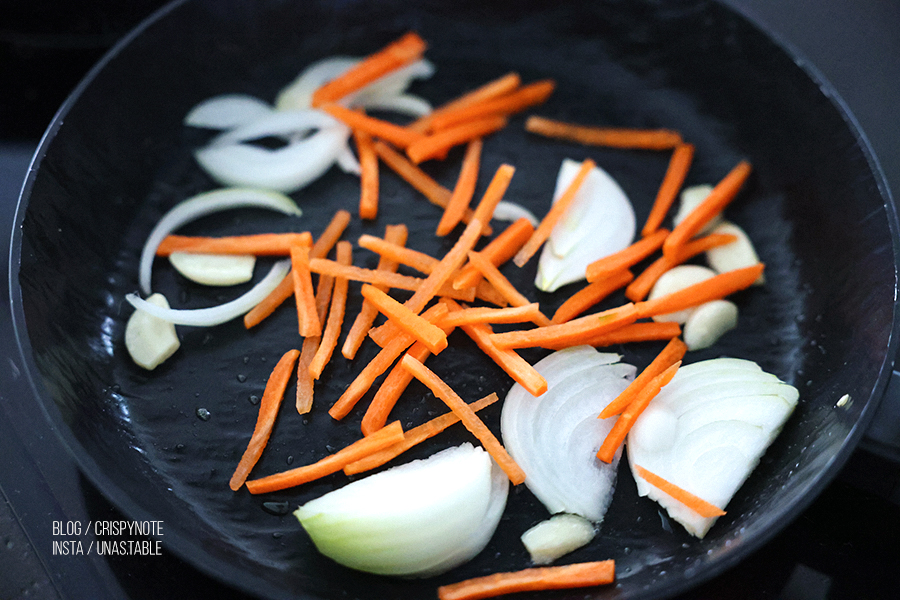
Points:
(117, 157)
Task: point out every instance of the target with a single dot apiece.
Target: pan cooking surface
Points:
(162, 445)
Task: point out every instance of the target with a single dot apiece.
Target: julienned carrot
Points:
(414, 436)
(331, 234)
(309, 324)
(377, 366)
(514, 314)
(498, 251)
(638, 289)
(464, 189)
(627, 257)
(260, 244)
(590, 295)
(553, 215)
(332, 463)
(645, 331)
(507, 104)
(697, 504)
(613, 137)
(268, 410)
(714, 288)
(382, 278)
(410, 322)
(408, 48)
(492, 89)
(368, 176)
(335, 315)
(305, 380)
(468, 417)
(571, 333)
(530, 580)
(616, 437)
(436, 145)
(721, 195)
(673, 352)
(394, 234)
(502, 284)
(395, 134)
(679, 165)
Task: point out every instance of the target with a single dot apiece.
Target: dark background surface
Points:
(841, 547)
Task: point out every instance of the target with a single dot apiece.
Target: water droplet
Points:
(203, 414)
(290, 460)
(254, 399)
(277, 535)
(241, 378)
(277, 508)
(246, 360)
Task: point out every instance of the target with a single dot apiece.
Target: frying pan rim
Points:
(186, 549)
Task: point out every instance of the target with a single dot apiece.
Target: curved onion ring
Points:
(285, 124)
(216, 315)
(227, 111)
(507, 210)
(202, 205)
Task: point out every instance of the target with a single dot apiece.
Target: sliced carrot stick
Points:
(672, 353)
(492, 89)
(368, 177)
(616, 437)
(508, 104)
(468, 417)
(714, 288)
(305, 379)
(332, 463)
(331, 234)
(697, 504)
(514, 314)
(414, 436)
(532, 579)
(649, 331)
(303, 293)
(260, 244)
(394, 234)
(679, 165)
(638, 289)
(502, 284)
(498, 251)
(335, 315)
(410, 322)
(590, 295)
(383, 278)
(613, 137)
(571, 333)
(627, 257)
(721, 195)
(407, 49)
(553, 215)
(464, 189)
(385, 130)
(436, 145)
(265, 421)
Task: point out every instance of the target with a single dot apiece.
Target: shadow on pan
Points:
(117, 157)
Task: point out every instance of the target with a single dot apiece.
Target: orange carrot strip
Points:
(436, 145)
(570, 333)
(468, 417)
(502, 284)
(679, 165)
(521, 371)
(394, 234)
(514, 102)
(627, 257)
(335, 315)
(332, 463)
(553, 215)
(638, 289)
(414, 436)
(260, 244)
(714, 288)
(672, 353)
(613, 137)
(382, 278)
(303, 293)
(332, 233)
(590, 295)
(697, 504)
(532, 579)
(492, 89)
(407, 49)
(368, 177)
(265, 420)
(463, 190)
(267, 305)
(616, 437)
(305, 379)
(430, 335)
(648, 331)
(397, 135)
(498, 251)
(720, 196)
(515, 314)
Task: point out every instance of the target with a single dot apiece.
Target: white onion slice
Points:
(298, 93)
(555, 437)
(281, 124)
(204, 204)
(227, 111)
(214, 269)
(507, 210)
(347, 161)
(216, 315)
(404, 104)
(392, 84)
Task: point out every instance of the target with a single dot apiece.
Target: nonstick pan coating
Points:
(117, 157)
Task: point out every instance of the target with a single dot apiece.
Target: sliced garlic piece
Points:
(736, 255)
(148, 339)
(676, 279)
(556, 537)
(214, 269)
(708, 322)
